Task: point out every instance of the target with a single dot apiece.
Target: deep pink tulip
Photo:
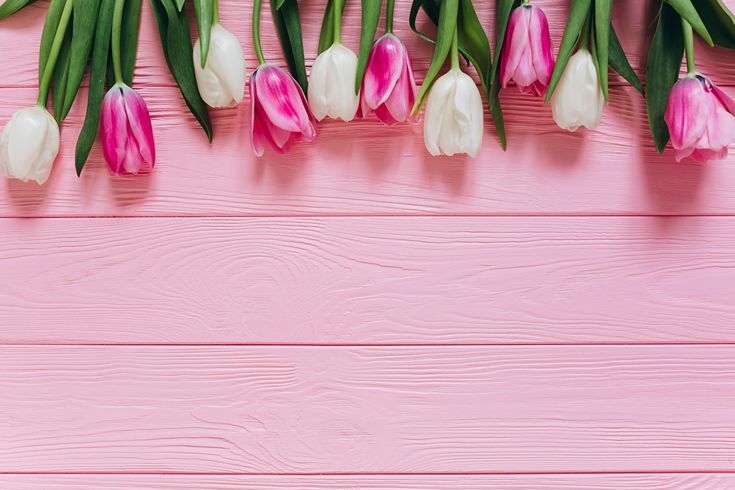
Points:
(388, 87)
(279, 112)
(700, 119)
(127, 134)
(526, 56)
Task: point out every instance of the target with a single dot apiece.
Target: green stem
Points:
(215, 12)
(53, 55)
(584, 36)
(455, 50)
(256, 32)
(389, 16)
(337, 21)
(116, 36)
(689, 46)
(525, 2)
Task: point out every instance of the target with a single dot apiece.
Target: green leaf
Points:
(12, 6)
(180, 5)
(432, 11)
(288, 25)
(129, 38)
(603, 12)
(662, 71)
(369, 25)
(473, 42)
(497, 113)
(719, 20)
(502, 16)
(277, 4)
(326, 35)
(173, 27)
(686, 10)
(619, 62)
(578, 13)
(50, 26)
(204, 12)
(60, 77)
(100, 53)
(445, 32)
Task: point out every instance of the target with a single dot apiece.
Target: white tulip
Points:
(222, 80)
(453, 122)
(578, 99)
(332, 84)
(29, 145)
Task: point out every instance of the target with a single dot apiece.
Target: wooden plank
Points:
(633, 21)
(367, 409)
(370, 482)
(613, 170)
(368, 280)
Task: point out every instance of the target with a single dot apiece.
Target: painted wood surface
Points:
(367, 409)
(368, 280)
(370, 482)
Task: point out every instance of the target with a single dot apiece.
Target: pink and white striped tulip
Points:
(279, 111)
(127, 134)
(388, 87)
(700, 119)
(526, 57)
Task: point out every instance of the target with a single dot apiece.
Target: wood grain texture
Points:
(633, 19)
(367, 409)
(370, 482)
(368, 280)
(612, 170)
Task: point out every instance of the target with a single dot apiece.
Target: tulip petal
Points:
(578, 99)
(438, 103)
(317, 90)
(281, 99)
(139, 124)
(384, 68)
(221, 81)
(540, 42)
(114, 129)
(687, 111)
(256, 125)
(727, 102)
(29, 145)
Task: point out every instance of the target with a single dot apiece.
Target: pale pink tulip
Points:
(127, 134)
(388, 87)
(526, 56)
(700, 119)
(279, 112)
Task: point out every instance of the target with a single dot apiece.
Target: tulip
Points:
(526, 56)
(332, 84)
(700, 119)
(127, 135)
(222, 79)
(279, 112)
(453, 122)
(388, 87)
(578, 99)
(29, 145)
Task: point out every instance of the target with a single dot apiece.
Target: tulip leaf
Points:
(502, 16)
(662, 71)
(578, 12)
(12, 6)
(618, 62)
(369, 26)
(129, 38)
(445, 32)
(288, 25)
(603, 12)
(277, 4)
(50, 26)
(473, 42)
(719, 20)
(100, 53)
(432, 11)
(173, 27)
(180, 4)
(686, 10)
(60, 78)
(326, 35)
(204, 12)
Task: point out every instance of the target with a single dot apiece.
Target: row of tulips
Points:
(698, 115)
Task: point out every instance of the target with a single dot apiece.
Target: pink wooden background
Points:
(361, 315)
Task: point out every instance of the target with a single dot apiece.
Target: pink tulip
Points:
(700, 119)
(388, 87)
(526, 56)
(279, 112)
(127, 134)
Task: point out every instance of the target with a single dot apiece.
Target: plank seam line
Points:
(367, 345)
(371, 215)
(373, 474)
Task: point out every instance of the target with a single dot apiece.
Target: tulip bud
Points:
(578, 99)
(29, 145)
(221, 82)
(526, 56)
(279, 112)
(127, 134)
(388, 87)
(453, 122)
(332, 84)
(700, 119)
